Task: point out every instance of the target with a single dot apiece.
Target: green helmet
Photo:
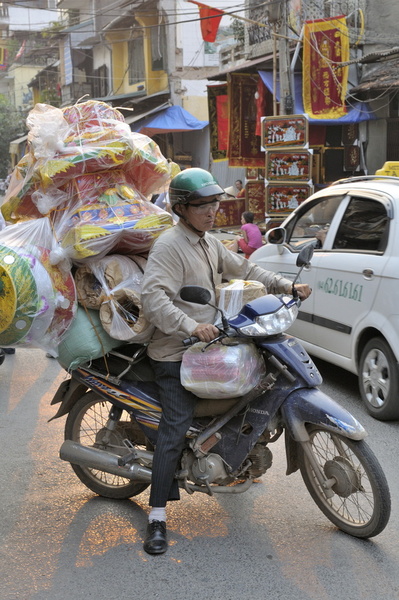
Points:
(191, 184)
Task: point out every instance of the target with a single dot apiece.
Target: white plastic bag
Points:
(236, 293)
(221, 371)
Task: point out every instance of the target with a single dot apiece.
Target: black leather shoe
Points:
(155, 542)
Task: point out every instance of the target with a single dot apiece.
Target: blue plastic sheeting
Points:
(174, 118)
(359, 111)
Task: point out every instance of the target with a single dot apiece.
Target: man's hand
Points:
(303, 290)
(206, 332)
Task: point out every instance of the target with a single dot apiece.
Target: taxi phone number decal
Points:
(345, 289)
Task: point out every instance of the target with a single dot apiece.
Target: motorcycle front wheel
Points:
(86, 424)
(360, 503)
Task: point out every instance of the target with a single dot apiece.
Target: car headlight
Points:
(273, 323)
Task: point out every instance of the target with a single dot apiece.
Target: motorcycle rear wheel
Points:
(361, 503)
(85, 424)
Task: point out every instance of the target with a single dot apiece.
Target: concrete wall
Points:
(377, 136)
(381, 25)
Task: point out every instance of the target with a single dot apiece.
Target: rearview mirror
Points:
(305, 255)
(195, 294)
(276, 235)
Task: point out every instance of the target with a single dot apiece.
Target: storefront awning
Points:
(359, 111)
(174, 118)
(141, 116)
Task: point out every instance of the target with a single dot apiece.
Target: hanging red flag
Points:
(210, 20)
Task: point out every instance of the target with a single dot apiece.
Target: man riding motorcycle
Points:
(186, 255)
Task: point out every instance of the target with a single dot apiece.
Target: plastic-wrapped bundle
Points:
(92, 115)
(92, 188)
(38, 302)
(232, 296)
(124, 224)
(222, 371)
(18, 204)
(87, 152)
(113, 285)
(148, 170)
(98, 140)
(96, 280)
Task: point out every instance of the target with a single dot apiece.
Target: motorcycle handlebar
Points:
(193, 339)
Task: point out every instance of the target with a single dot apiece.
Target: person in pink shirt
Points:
(251, 238)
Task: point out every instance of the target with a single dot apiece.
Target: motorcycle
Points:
(113, 415)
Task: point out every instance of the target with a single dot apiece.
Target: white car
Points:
(352, 317)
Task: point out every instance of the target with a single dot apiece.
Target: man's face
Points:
(239, 185)
(201, 212)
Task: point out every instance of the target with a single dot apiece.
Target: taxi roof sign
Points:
(391, 167)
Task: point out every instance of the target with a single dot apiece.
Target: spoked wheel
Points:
(357, 499)
(86, 424)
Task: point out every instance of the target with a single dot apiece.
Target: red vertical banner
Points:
(255, 197)
(244, 148)
(222, 117)
(218, 120)
(325, 46)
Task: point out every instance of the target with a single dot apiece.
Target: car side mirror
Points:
(276, 235)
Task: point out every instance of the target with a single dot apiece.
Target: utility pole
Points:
(278, 17)
(286, 97)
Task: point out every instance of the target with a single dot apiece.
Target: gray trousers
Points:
(177, 414)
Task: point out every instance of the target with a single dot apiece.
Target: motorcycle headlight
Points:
(273, 323)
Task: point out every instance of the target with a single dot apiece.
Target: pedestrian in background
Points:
(251, 238)
(240, 188)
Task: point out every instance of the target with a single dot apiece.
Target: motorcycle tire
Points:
(361, 503)
(86, 424)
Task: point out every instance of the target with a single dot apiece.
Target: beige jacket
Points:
(180, 257)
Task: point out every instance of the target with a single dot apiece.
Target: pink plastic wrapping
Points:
(221, 371)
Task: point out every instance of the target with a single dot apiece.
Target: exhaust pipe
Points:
(103, 461)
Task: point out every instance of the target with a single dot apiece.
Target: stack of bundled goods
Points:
(79, 226)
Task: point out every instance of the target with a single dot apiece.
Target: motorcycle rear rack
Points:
(137, 357)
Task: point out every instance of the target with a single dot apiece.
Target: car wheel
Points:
(379, 380)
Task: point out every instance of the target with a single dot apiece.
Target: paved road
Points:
(59, 542)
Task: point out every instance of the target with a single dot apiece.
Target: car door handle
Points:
(368, 273)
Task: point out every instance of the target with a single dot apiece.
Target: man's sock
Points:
(157, 514)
